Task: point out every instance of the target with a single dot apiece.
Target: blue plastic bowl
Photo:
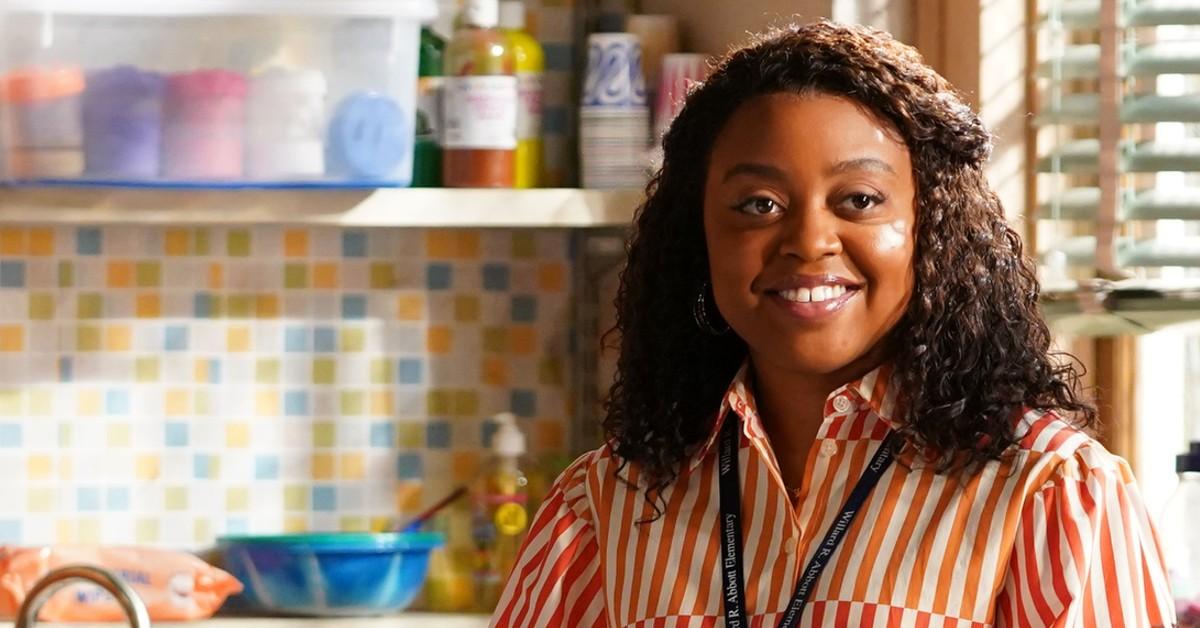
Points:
(338, 574)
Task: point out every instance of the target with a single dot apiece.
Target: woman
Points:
(822, 284)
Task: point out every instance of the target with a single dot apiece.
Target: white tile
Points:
(353, 434)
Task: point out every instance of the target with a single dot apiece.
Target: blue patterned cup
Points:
(614, 78)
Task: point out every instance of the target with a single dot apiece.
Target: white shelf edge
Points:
(384, 207)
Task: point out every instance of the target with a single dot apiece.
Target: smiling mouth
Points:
(816, 294)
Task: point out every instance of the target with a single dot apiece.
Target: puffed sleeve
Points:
(1086, 553)
(557, 580)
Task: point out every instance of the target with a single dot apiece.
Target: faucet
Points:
(61, 577)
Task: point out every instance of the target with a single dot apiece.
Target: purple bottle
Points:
(122, 123)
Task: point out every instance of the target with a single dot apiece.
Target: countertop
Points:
(403, 620)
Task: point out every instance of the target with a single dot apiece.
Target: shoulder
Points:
(1062, 451)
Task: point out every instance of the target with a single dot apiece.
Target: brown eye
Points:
(758, 206)
(862, 201)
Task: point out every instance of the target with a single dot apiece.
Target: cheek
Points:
(885, 256)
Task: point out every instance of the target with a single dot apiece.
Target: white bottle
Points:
(500, 496)
(1181, 538)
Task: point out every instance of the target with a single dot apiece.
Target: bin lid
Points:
(421, 10)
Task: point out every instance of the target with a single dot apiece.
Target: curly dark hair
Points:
(970, 353)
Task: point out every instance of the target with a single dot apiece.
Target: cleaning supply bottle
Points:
(531, 66)
(427, 151)
(479, 139)
(1181, 538)
(500, 496)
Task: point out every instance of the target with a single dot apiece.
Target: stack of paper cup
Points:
(659, 36)
(680, 71)
(614, 117)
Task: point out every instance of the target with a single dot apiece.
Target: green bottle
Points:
(427, 152)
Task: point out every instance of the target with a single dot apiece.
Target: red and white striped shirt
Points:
(1055, 536)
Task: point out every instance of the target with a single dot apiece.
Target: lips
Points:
(813, 297)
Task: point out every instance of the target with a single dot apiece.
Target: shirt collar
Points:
(876, 389)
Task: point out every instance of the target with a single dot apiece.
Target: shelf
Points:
(1084, 14)
(1133, 307)
(549, 208)
(1083, 203)
(1082, 157)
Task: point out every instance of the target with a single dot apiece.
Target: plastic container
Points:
(256, 92)
(531, 67)
(336, 574)
(500, 513)
(1181, 538)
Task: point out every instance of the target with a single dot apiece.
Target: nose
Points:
(810, 232)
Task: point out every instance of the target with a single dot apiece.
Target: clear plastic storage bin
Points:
(209, 92)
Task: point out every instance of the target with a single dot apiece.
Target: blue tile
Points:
(116, 402)
(237, 525)
(295, 403)
(87, 498)
(66, 369)
(295, 340)
(87, 241)
(523, 403)
(176, 434)
(214, 371)
(324, 498)
(409, 467)
(354, 306)
(10, 531)
(202, 306)
(175, 338)
(495, 277)
(117, 498)
(202, 466)
(524, 309)
(487, 429)
(411, 371)
(266, 467)
(437, 435)
(10, 435)
(12, 274)
(383, 434)
(439, 276)
(324, 339)
(354, 244)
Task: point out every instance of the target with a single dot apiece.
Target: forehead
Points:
(807, 130)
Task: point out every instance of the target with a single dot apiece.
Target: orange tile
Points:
(468, 244)
(549, 435)
(146, 467)
(41, 242)
(120, 274)
(411, 307)
(522, 339)
(409, 498)
(149, 306)
(12, 338)
(464, 465)
(295, 243)
(382, 403)
(325, 276)
(177, 402)
(439, 339)
(12, 241)
(118, 338)
(200, 373)
(495, 371)
(552, 277)
(266, 403)
(322, 466)
(216, 276)
(238, 339)
(440, 244)
(266, 306)
(176, 242)
(353, 467)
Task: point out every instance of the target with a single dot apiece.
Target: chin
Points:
(808, 360)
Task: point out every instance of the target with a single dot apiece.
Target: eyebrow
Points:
(768, 171)
(762, 170)
(863, 163)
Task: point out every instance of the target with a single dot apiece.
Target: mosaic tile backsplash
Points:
(163, 386)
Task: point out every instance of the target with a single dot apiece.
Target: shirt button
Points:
(841, 404)
(790, 545)
(828, 448)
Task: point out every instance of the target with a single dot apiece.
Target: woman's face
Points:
(809, 220)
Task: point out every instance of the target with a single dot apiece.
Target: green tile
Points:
(466, 403)
(200, 242)
(410, 435)
(89, 306)
(66, 436)
(439, 402)
(41, 402)
(352, 341)
(324, 370)
(495, 339)
(41, 307)
(175, 498)
(353, 402)
(296, 498)
(146, 369)
(353, 524)
(87, 338)
(382, 371)
(383, 276)
(237, 243)
(202, 403)
(524, 245)
(267, 371)
(240, 306)
(295, 276)
(12, 402)
(324, 434)
(66, 274)
(149, 274)
(550, 372)
(466, 308)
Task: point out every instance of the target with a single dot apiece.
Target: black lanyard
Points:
(731, 527)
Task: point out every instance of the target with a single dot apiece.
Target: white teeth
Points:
(813, 295)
